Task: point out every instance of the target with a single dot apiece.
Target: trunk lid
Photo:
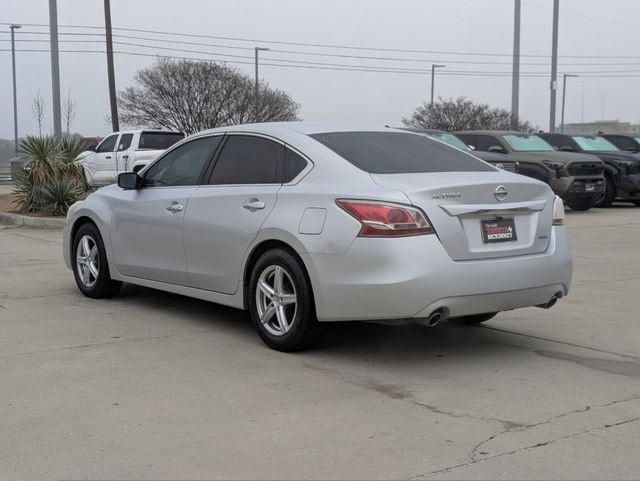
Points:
(456, 203)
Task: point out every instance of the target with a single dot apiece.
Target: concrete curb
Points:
(18, 220)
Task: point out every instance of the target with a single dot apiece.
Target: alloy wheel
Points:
(87, 261)
(276, 300)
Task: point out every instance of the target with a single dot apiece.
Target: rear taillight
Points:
(558, 211)
(385, 219)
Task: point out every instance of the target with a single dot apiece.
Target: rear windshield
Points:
(398, 153)
(158, 140)
(594, 143)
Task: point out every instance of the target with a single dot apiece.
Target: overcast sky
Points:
(587, 28)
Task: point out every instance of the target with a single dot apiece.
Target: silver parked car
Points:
(302, 223)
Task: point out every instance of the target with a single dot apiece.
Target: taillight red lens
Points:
(383, 219)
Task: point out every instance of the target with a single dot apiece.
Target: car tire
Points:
(636, 203)
(609, 194)
(583, 203)
(476, 318)
(90, 266)
(280, 301)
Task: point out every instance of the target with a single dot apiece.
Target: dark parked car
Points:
(621, 169)
(628, 143)
(502, 161)
(577, 178)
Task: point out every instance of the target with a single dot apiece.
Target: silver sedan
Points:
(302, 223)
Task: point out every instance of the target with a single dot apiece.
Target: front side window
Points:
(593, 143)
(248, 160)
(488, 143)
(183, 165)
(108, 144)
(125, 142)
(527, 143)
(398, 153)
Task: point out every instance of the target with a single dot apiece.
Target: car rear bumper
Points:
(408, 278)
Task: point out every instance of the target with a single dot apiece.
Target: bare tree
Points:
(39, 109)
(191, 96)
(462, 114)
(69, 108)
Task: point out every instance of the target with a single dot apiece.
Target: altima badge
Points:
(447, 195)
(500, 193)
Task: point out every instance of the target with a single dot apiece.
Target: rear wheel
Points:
(281, 302)
(477, 318)
(581, 203)
(90, 266)
(609, 194)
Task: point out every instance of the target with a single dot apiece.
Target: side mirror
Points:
(496, 149)
(567, 148)
(472, 147)
(129, 181)
(91, 147)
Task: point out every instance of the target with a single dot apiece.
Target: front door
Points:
(146, 227)
(103, 163)
(225, 216)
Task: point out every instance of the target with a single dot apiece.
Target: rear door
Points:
(146, 226)
(225, 216)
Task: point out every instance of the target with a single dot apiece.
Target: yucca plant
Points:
(55, 197)
(44, 153)
(69, 149)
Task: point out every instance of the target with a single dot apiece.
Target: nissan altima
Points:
(303, 223)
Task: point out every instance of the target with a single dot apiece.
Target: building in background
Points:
(605, 126)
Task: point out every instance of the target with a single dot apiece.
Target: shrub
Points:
(52, 181)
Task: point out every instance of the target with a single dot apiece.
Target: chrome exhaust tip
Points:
(435, 318)
(551, 302)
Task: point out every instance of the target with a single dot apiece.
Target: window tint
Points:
(125, 142)
(183, 165)
(484, 143)
(623, 143)
(397, 153)
(108, 144)
(294, 164)
(248, 160)
(158, 140)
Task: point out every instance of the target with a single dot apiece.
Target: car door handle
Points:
(125, 157)
(253, 204)
(108, 157)
(174, 207)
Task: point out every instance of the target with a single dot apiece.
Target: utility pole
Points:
(564, 97)
(433, 79)
(603, 99)
(55, 68)
(515, 81)
(582, 111)
(256, 108)
(554, 67)
(115, 123)
(13, 28)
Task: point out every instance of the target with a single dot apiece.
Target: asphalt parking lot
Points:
(156, 386)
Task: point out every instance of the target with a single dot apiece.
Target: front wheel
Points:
(609, 194)
(90, 266)
(281, 302)
(582, 203)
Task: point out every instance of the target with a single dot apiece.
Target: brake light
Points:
(558, 211)
(385, 219)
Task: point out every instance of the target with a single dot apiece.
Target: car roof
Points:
(496, 132)
(301, 127)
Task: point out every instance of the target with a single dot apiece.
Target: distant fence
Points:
(5, 173)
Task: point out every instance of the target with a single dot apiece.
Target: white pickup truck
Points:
(124, 151)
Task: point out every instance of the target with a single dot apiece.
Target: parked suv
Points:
(621, 169)
(628, 143)
(124, 152)
(502, 161)
(577, 178)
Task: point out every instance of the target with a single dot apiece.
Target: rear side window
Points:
(158, 140)
(398, 153)
(125, 142)
(248, 160)
(294, 164)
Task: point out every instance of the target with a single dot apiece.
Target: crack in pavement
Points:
(526, 448)
(84, 346)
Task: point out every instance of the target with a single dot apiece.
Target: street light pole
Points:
(603, 98)
(55, 68)
(256, 108)
(564, 97)
(582, 111)
(554, 67)
(515, 80)
(13, 28)
(433, 79)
